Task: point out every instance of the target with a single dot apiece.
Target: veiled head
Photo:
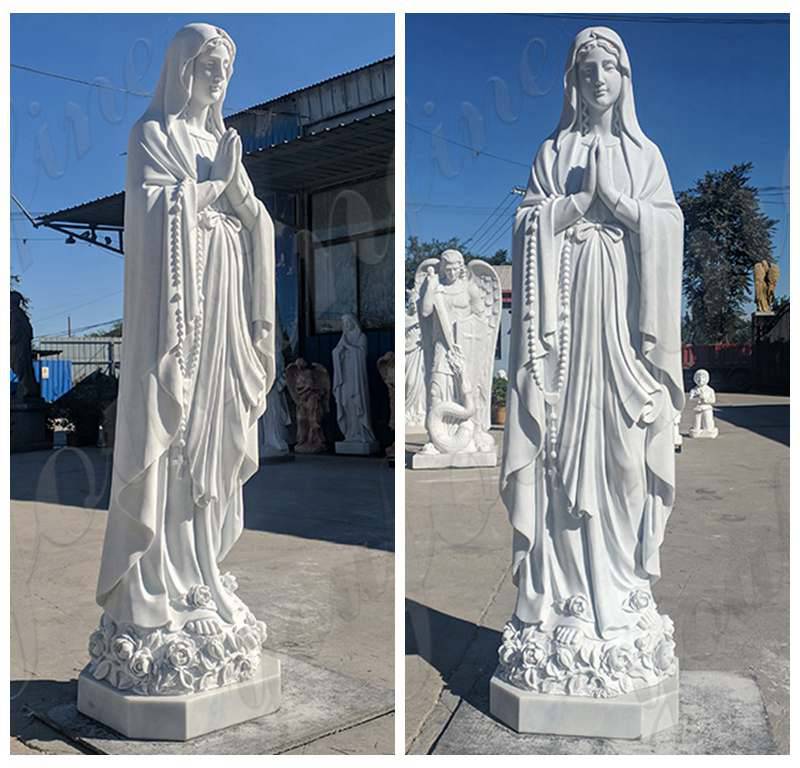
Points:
(198, 65)
(597, 76)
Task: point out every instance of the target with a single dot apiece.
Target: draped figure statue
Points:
(416, 393)
(199, 359)
(351, 390)
(595, 383)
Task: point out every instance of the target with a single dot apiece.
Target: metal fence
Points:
(87, 353)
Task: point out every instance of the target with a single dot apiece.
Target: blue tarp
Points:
(56, 381)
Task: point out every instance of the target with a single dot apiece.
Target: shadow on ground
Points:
(464, 654)
(770, 421)
(40, 695)
(340, 499)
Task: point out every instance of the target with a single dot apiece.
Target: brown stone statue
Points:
(21, 352)
(765, 281)
(386, 370)
(310, 388)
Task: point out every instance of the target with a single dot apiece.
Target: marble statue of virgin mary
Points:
(198, 356)
(595, 382)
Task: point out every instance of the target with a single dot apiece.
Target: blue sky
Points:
(710, 92)
(67, 139)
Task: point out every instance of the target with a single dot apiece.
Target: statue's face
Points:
(701, 378)
(452, 270)
(599, 79)
(211, 70)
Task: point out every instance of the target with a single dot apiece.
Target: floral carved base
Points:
(570, 661)
(156, 662)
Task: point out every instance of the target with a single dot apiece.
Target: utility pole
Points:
(69, 326)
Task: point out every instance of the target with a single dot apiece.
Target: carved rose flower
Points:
(597, 686)
(667, 623)
(577, 606)
(246, 668)
(247, 639)
(141, 663)
(97, 644)
(181, 653)
(664, 654)
(618, 659)
(639, 599)
(229, 582)
(507, 653)
(199, 596)
(532, 655)
(123, 647)
(261, 631)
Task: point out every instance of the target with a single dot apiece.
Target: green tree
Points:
(418, 250)
(114, 329)
(725, 233)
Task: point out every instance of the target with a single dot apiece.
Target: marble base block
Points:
(460, 460)
(358, 447)
(635, 715)
(178, 718)
(698, 434)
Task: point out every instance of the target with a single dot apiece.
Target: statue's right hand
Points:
(228, 155)
(584, 198)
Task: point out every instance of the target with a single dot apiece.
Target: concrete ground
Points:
(725, 565)
(315, 562)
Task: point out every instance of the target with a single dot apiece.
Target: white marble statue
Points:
(416, 393)
(199, 316)
(704, 410)
(595, 382)
(351, 390)
(459, 308)
(273, 427)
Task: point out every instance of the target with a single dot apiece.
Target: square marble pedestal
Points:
(635, 715)
(178, 718)
(358, 447)
(461, 460)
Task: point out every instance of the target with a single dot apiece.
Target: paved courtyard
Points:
(315, 561)
(725, 562)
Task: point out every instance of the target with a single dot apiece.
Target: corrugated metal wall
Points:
(87, 353)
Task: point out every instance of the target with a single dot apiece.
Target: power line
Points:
(477, 152)
(488, 219)
(499, 224)
(78, 80)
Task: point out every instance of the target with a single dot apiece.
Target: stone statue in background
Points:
(310, 388)
(416, 395)
(459, 308)
(273, 427)
(21, 339)
(595, 383)
(199, 318)
(351, 390)
(765, 280)
(386, 370)
(704, 410)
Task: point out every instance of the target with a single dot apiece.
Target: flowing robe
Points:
(592, 527)
(351, 387)
(198, 360)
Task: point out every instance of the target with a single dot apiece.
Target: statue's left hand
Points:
(605, 182)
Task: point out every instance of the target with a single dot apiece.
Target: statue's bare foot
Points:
(203, 627)
(566, 635)
(429, 449)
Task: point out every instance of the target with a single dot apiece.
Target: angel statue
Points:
(459, 308)
(765, 281)
(199, 316)
(595, 383)
(416, 396)
(310, 388)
